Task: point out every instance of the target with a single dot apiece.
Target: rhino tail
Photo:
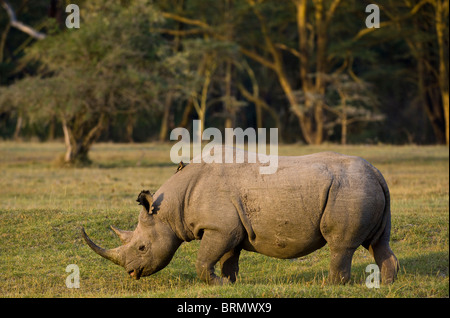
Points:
(378, 243)
(383, 230)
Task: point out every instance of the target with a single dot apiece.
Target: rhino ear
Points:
(145, 198)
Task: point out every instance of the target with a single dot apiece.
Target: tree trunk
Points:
(19, 124)
(78, 138)
(131, 120)
(445, 97)
(51, 129)
(426, 90)
(311, 117)
(186, 114)
(318, 119)
(230, 120)
(199, 132)
(77, 154)
(68, 155)
(443, 68)
(3, 41)
(202, 106)
(165, 120)
(344, 128)
(258, 113)
(430, 101)
(76, 150)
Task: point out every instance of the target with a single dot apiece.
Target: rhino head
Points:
(147, 249)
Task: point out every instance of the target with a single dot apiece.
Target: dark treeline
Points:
(135, 69)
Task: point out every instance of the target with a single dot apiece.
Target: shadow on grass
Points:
(428, 265)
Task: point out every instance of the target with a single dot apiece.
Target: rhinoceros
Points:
(311, 200)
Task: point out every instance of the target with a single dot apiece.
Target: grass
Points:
(42, 207)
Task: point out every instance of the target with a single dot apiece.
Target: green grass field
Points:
(43, 206)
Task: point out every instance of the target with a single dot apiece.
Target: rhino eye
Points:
(142, 247)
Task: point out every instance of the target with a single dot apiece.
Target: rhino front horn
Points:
(113, 255)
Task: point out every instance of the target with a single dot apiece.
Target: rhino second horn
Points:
(124, 236)
(114, 255)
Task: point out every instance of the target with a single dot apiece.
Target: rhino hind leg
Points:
(386, 261)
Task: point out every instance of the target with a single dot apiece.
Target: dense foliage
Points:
(137, 68)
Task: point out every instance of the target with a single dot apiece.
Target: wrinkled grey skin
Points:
(310, 201)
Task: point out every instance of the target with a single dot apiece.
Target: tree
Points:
(423, 26)
(311, 116)
(212, 60)
(109, 67)
(16, 36)
(354, 102)
(18, 24)
(207, 60)
(441, 10)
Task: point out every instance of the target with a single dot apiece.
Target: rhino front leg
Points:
(213, 247)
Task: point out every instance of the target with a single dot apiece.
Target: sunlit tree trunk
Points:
(441, 13)
(184, 122)
(3, 40)
(18, 128)
(200, 102)
(79, 137)
(344, 122)
(310, 114)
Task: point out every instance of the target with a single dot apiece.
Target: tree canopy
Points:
(137, 68)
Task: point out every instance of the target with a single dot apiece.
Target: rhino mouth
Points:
(135, 273)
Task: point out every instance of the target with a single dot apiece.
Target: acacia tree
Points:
(431, 27)
(351, 101)
(310, 113)
(423, 26)
(312, 37)
(87, 76)
(213, 61)
(11, 16)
